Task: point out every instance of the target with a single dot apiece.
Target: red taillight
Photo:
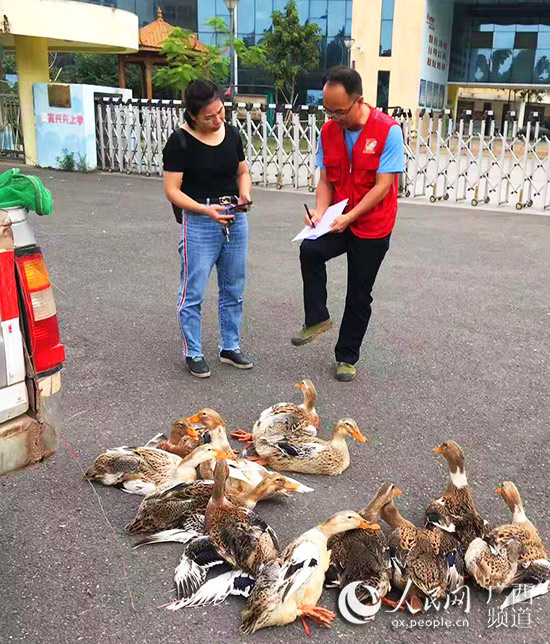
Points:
(47, 351)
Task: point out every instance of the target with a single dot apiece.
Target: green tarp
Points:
(24, 191)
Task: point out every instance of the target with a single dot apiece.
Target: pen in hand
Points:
(309, 216)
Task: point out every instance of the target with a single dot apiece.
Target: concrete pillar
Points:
(31, 57)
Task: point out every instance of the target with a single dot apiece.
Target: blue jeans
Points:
(203, 246)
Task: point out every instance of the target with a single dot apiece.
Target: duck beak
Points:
(396, 492)
(365, 525)
(290, 485)
(438, 449)
(192, 432)
(498, 490)
(299, 386)
(195, 418)
(358, 436)
(227, 455)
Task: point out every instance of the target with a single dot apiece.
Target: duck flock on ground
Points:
(214, 517)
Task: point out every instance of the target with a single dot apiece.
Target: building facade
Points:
(469, 55)
(253, 18)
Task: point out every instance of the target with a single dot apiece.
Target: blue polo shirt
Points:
(392, 157)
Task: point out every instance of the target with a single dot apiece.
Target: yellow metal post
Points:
(31, 56)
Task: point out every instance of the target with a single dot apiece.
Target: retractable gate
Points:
(461, 161)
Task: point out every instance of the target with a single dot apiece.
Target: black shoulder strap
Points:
(183, 143)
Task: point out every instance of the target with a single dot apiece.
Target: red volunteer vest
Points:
(353, 181)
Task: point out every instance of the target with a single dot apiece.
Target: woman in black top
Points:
(200, 174)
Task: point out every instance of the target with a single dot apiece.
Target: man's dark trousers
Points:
(364, 259)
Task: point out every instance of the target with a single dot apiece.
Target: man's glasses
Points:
(340, 114)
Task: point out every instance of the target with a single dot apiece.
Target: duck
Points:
(231, 534)
(185, 504)
(290, 585)
(286, 418)
(146, 470)
(184, 438)
(309, 454)
(363, 555)
(419, 565)
(509, 554)
(244, 540)
(454, 511)
(244, 474)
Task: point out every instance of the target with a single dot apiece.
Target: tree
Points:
(90, 69)
(289, 49)
(186, 63)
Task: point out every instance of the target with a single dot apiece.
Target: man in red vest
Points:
(360, 155)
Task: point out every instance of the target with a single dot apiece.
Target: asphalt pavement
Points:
(458, 347)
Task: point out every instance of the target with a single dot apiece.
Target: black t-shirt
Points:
(208, 170)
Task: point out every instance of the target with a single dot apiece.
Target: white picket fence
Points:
(462, 161)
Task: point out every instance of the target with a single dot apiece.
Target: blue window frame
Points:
(386, 28)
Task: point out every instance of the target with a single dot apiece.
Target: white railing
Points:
(460, 161)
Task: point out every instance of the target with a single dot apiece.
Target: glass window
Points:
(505, 28)
(221, 9)
(525, 40)
(245, 17)
(522, 66)
(383, 90)
(480, 60)
(501, 65)
(336, 53)
(318, 9)
(336, 17)
(486, 27)
(543, 41)
(482, 40)
(386, 31)
(542, 66)
(207, 38)
(387, 9)
(264, 9)
(206, 9)
(503, 40)
(303, 9)
(527, 25)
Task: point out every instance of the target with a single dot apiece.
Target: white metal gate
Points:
(460, 161)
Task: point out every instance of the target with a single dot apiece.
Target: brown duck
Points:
(244, 475)
(184, 438)
(284, 419)
(363, 555)
(186, 503)
(417, 559)
(454, 510)
(145, 470)
(510, 554)
(309, 454)
(238, 534)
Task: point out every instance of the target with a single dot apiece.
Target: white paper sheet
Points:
(323, 226)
